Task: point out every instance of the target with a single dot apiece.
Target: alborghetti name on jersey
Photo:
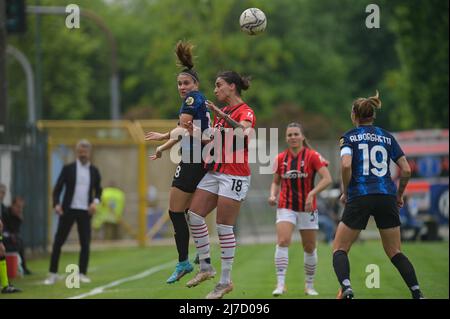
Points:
(370, 137)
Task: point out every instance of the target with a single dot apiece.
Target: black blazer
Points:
(2, 210)
(11, 223)
(67, 178)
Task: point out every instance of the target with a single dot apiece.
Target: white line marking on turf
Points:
(101, 289)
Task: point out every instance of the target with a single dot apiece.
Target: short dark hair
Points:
(241, 82)
(17, 199)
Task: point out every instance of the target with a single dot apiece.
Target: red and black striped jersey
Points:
(239, 113)
(297, 172)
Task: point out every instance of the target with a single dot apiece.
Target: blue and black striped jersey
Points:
(372, 150)
(195, 105)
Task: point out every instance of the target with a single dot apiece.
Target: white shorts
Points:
(231, 186)
(303, 220)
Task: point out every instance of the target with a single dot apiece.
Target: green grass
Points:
(253, 273)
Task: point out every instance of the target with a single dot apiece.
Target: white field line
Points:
(101, 289)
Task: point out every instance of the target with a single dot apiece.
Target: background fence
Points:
(23, 168)
(33, 159)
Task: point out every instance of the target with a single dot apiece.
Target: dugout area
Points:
(121, 154)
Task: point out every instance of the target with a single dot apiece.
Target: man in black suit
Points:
(83, 191)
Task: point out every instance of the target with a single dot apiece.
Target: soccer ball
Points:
(253, 21)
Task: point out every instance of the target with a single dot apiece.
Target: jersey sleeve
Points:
(190, 104)
(277, 164)
(317, 161)
(345, 146)
(247, 115)
(396, 150)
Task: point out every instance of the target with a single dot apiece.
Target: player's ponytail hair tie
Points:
(365, 108)
(183, 51)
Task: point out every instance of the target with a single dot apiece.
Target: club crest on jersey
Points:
(189, 101)
(293, 174)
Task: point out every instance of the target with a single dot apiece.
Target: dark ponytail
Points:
(183, 51)
(232, 77)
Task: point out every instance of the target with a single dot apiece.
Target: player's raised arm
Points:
(155, 136)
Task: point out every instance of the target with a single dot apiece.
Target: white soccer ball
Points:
(253, 21)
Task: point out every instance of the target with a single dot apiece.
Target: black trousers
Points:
(65, 223)
(15, 244)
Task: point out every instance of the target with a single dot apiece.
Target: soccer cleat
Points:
(417, 294)
(10, 289)
(346, 294)
(182, 268)
(279, 290)
(201, 276)
(310, 291)
(220, 290)
(85, 279)
(51, 279)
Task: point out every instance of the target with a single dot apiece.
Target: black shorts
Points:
(187, 176)
(382, 207)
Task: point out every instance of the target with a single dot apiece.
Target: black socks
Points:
(181, 229)
(401, 262)
(341, 267)
(406, 270)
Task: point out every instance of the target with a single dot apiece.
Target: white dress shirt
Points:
(80, 198)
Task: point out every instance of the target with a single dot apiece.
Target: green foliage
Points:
(422, 46)
(313, 60)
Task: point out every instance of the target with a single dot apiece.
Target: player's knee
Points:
(309, 247)
(284, 242)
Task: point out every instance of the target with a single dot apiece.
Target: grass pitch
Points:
(140, 273)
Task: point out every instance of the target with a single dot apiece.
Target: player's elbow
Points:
(346, 164)
(405, 168)
(328, 180)
(406, 171)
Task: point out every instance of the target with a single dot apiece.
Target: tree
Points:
(422, 79)
(315, 57)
